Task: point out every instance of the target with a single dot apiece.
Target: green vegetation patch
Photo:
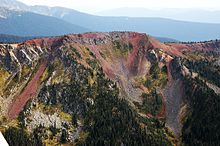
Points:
(76, 53)
(156, 78)
(3, 78)
(122, 49)
(152, 103)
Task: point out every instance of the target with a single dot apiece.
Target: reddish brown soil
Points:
(146, 41)
(169, 49)
(149, 116)
(43, 41)
(30, 91)
(140, 43)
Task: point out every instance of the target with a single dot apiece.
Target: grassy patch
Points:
(92, 79)
(46, 109)
(65, 116)
(51, 142)
(3, 78)
(59, 74)
(122, 49)
(45, 75)
(25, 71)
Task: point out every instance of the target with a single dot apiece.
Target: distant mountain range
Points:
(13, 39)
(13, 4)
(184, 14)
(31, 24)
(47, 21)
(163, 39)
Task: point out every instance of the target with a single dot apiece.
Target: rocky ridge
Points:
(127, 58)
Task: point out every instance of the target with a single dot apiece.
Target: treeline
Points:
(194, 42)
(206, 69)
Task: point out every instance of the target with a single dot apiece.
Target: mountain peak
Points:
(13, 4)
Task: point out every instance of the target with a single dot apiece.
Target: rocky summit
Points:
(117, 88)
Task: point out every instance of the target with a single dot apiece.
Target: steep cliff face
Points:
(61, 79)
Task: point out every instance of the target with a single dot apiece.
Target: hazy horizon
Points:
(203, 11)
(95, 6)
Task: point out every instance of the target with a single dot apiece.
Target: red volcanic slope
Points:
(140, 43)
(169, 49)
(174, 49)
(30, 91)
